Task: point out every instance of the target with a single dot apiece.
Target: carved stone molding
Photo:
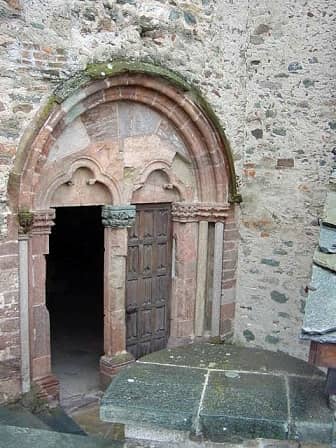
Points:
(118, 216)
(43, 221)
(199, 211)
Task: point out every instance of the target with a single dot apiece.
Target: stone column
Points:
(24, 312)
(116, 220)
(189, 291)
(201, 277)
(38, 314)
(182, 310)
(217, 279)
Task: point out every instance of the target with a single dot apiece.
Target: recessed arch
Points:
(44, 198)
(190, 172)
(157, 88)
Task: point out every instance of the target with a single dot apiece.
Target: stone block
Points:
(137, 119)
(228, 311)
(156, 387)
(9, 262)
(101, 123)
(311, 419)
(41, 366)
(41, 331)
(264, 415)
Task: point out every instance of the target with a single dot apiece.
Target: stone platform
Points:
(220, 393)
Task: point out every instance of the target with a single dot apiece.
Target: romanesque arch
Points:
(129, 138)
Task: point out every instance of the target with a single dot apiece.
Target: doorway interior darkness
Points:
(74, 292)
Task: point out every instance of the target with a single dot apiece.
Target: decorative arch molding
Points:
(172, 181)
(199, 209)
(50, 186)
(153, 86)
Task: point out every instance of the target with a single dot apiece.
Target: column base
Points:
(48, 388)
(111, 365)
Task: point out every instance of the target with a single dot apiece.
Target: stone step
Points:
(19, 437)
(220, 393)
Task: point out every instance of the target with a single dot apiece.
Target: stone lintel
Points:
(118, 216)
(199, 211)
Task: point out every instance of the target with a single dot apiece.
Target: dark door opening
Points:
(74, 296)
(148, 280)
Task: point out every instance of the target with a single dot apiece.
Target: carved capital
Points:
(43, 222)
(199, 211)
(26, 219)
(119, 216)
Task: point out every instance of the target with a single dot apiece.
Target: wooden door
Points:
(148, 280)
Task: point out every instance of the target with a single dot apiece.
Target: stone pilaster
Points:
(39, 315)
(217, 279)
(191, 277)
(201, 277)
(116, 220)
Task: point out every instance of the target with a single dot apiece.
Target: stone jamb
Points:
(116, 220)
(39, 324)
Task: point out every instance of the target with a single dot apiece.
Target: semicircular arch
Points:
(208, 148)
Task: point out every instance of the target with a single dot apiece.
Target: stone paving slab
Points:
(161, 395)
(223, 393)
(231, 357)
(244, 406)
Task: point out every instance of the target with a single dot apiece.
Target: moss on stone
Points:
(70, 86)
(97, 71)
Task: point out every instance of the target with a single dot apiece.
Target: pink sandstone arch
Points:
(211, 163)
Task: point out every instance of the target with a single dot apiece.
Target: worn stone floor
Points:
(220, 393)
(75, 353)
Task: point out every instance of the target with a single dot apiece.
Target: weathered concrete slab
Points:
(222, 393)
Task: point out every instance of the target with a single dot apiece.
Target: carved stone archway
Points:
(179, 155)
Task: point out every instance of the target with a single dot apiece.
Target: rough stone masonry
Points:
(268, 71)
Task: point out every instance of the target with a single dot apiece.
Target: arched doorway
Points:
(122, 143)
(74, 300)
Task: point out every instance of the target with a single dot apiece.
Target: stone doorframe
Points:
(216, 192)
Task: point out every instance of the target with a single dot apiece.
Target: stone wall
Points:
(267, 69)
